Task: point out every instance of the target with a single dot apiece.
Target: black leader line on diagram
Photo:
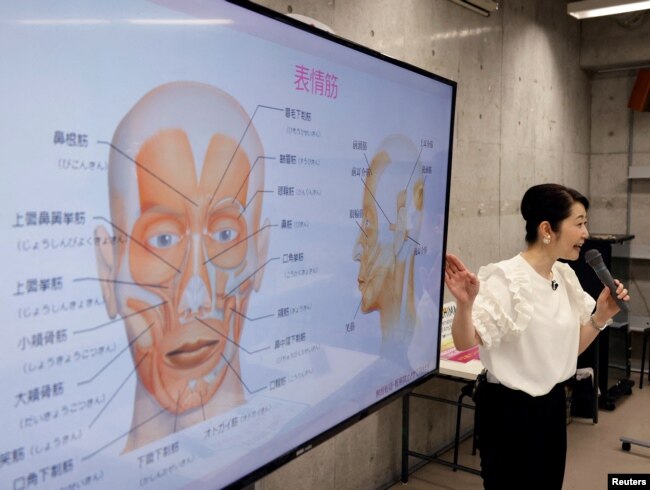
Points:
(230, 340)
(238, 243)
(251, 200)
(153, 174)
(119, 388)
(94, 453)
(138, 242)
(252, 319)
(251, 275)
(115, 357)
(249, 174)
(113, 281)
(119, 319)
(223, 176)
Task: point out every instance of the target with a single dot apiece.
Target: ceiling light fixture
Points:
(597, 8)
(483, 7)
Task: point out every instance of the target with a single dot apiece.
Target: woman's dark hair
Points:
(548, 202)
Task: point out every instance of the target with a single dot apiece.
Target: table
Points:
(463, 372)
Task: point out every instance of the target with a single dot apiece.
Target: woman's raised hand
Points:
(462, 283)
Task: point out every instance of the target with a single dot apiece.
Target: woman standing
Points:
(531, 318)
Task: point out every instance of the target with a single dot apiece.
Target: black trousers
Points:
(521, 438)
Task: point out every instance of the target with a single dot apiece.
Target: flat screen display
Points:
(223, 238)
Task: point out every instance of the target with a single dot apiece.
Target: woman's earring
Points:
(546, 239)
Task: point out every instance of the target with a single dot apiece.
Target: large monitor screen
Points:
(223, 238)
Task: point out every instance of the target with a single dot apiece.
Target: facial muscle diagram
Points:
(183, 188)
(393, 200)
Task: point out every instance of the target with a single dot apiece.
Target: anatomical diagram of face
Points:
(392, 204)
(185, 182)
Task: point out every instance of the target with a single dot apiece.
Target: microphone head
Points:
(593, 257)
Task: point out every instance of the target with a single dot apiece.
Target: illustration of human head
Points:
(393, 201)
(184, 175)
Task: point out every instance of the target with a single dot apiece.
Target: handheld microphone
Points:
(595, 260)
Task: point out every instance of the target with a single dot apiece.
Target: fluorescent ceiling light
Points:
(180, 22)
(483, 7)
(62, 22)
(153, 22)
(596, 8)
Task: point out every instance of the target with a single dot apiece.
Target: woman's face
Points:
(572, 233)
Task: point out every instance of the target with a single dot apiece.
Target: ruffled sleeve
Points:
(503, 308)
(580, 301)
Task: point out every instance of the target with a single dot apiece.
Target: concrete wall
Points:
(522, 117)
(618, 41)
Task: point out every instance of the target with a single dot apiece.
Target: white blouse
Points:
(530, 332)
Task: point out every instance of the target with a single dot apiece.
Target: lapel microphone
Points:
(554, 285)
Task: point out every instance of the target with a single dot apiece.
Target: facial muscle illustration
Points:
(184, 176)
(385, 248)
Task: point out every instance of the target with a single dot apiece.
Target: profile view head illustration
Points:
(188, 250)
(393, 201)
